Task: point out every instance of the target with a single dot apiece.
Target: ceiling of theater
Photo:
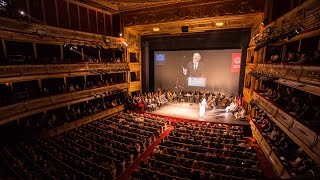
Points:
(199, 17)
(128, 5)
(168, 16)
(199, 25)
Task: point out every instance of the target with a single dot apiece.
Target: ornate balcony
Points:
(306, 138)
(16, 73)
(20, 110)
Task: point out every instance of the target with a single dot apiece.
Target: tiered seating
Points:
(294, 158)
(202, 152)
(99, 150)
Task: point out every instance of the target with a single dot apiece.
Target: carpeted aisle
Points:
(144, 156)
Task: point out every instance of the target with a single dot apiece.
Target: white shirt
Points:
(195, 66)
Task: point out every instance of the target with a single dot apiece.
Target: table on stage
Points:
(188, 95)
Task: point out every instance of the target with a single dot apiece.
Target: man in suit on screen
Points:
(194, 68)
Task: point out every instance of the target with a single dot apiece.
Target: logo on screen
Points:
(160, 58)
(236, 62)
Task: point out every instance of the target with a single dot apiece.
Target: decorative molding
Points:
(135, 86)
(134, 66)
(202, 10)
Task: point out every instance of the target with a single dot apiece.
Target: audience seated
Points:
(301, 105)
(193, 151)
(300, 58)
(295, 160)
(29, 91)
(98, 150)
(61, 116)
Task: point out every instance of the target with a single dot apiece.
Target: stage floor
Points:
(190, 111)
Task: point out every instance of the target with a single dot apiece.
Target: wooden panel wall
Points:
(65, 14)
(93, 21)
(74, 16)
(84, 19)
(107, 22)
(50, 10)
(100, 23)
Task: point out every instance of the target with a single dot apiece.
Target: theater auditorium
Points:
(160, 89)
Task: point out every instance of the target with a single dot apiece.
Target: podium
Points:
(202, 106)
(197, 81)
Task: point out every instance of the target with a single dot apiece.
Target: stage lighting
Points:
(21, 12)
(219, 24)
(120, 34)
(156, 29)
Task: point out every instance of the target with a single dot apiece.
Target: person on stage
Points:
(203, 106)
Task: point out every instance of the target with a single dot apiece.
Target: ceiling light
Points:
(156, 29)
(219, 23)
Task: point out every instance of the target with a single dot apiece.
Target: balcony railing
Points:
(20, 110)
(28, 72)
(273, 157)
(88, 119)
(303, 74)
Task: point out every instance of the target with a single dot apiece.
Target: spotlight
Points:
(21, 12)
(120, 34)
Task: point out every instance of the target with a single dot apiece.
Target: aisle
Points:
(144, 156)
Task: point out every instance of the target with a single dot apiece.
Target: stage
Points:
(190, 111)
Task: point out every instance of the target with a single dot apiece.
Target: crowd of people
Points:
(29, 91)
(295, 159)
(60, 116)
(150, 101)
(300, 58)
(299, 104)
(201, 151)
(98, 150)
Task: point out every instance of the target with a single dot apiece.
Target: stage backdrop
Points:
(217, 70)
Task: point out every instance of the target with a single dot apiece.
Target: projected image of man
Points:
(194, 68)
